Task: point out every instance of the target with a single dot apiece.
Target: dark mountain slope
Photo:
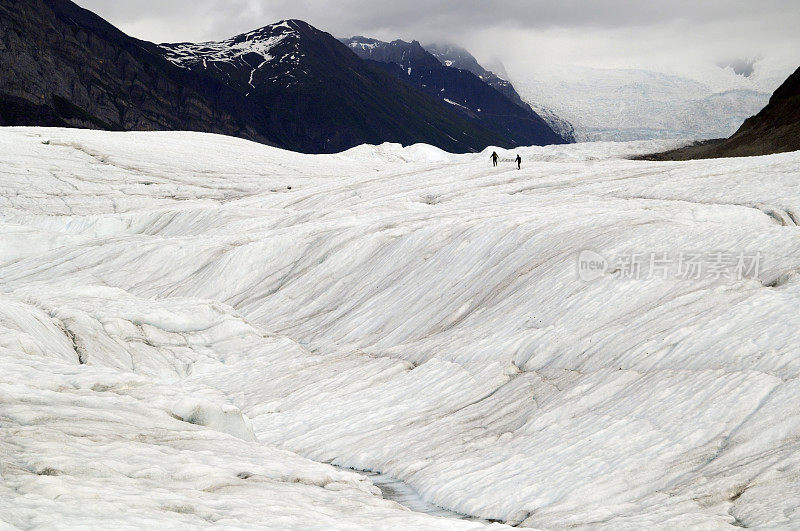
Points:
(457, 57)
(775, 129)
(61, 65)
(320, 97)
(463, 90)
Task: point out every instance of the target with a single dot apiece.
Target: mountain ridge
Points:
(62, 65)
(462, 89)
(457, 57)
(320, 97)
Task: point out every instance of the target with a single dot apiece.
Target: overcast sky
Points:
(667, 35)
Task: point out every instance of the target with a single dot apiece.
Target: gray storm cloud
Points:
(672, 34)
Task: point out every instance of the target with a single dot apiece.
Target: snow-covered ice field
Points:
(185, 340)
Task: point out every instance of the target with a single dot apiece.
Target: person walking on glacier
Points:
(518, 160)
(494, 157)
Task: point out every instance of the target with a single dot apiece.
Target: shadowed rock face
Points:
(61, 65)
(457, 57)
(775, 129)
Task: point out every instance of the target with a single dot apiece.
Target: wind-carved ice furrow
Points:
(399, 491)
(781, 216)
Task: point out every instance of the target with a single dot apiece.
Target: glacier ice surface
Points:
(192, 326)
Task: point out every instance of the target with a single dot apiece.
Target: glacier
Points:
(194, 328)
(635, 104)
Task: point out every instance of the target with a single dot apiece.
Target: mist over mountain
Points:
(633, 104)
(775, 129)
(457, 57)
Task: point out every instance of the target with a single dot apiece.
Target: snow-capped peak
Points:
(262, 42)
(275, 45)
(363, 43)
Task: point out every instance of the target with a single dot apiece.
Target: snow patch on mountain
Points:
(451, 102)
(254, 42)
(254, 49)
(365, 43)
